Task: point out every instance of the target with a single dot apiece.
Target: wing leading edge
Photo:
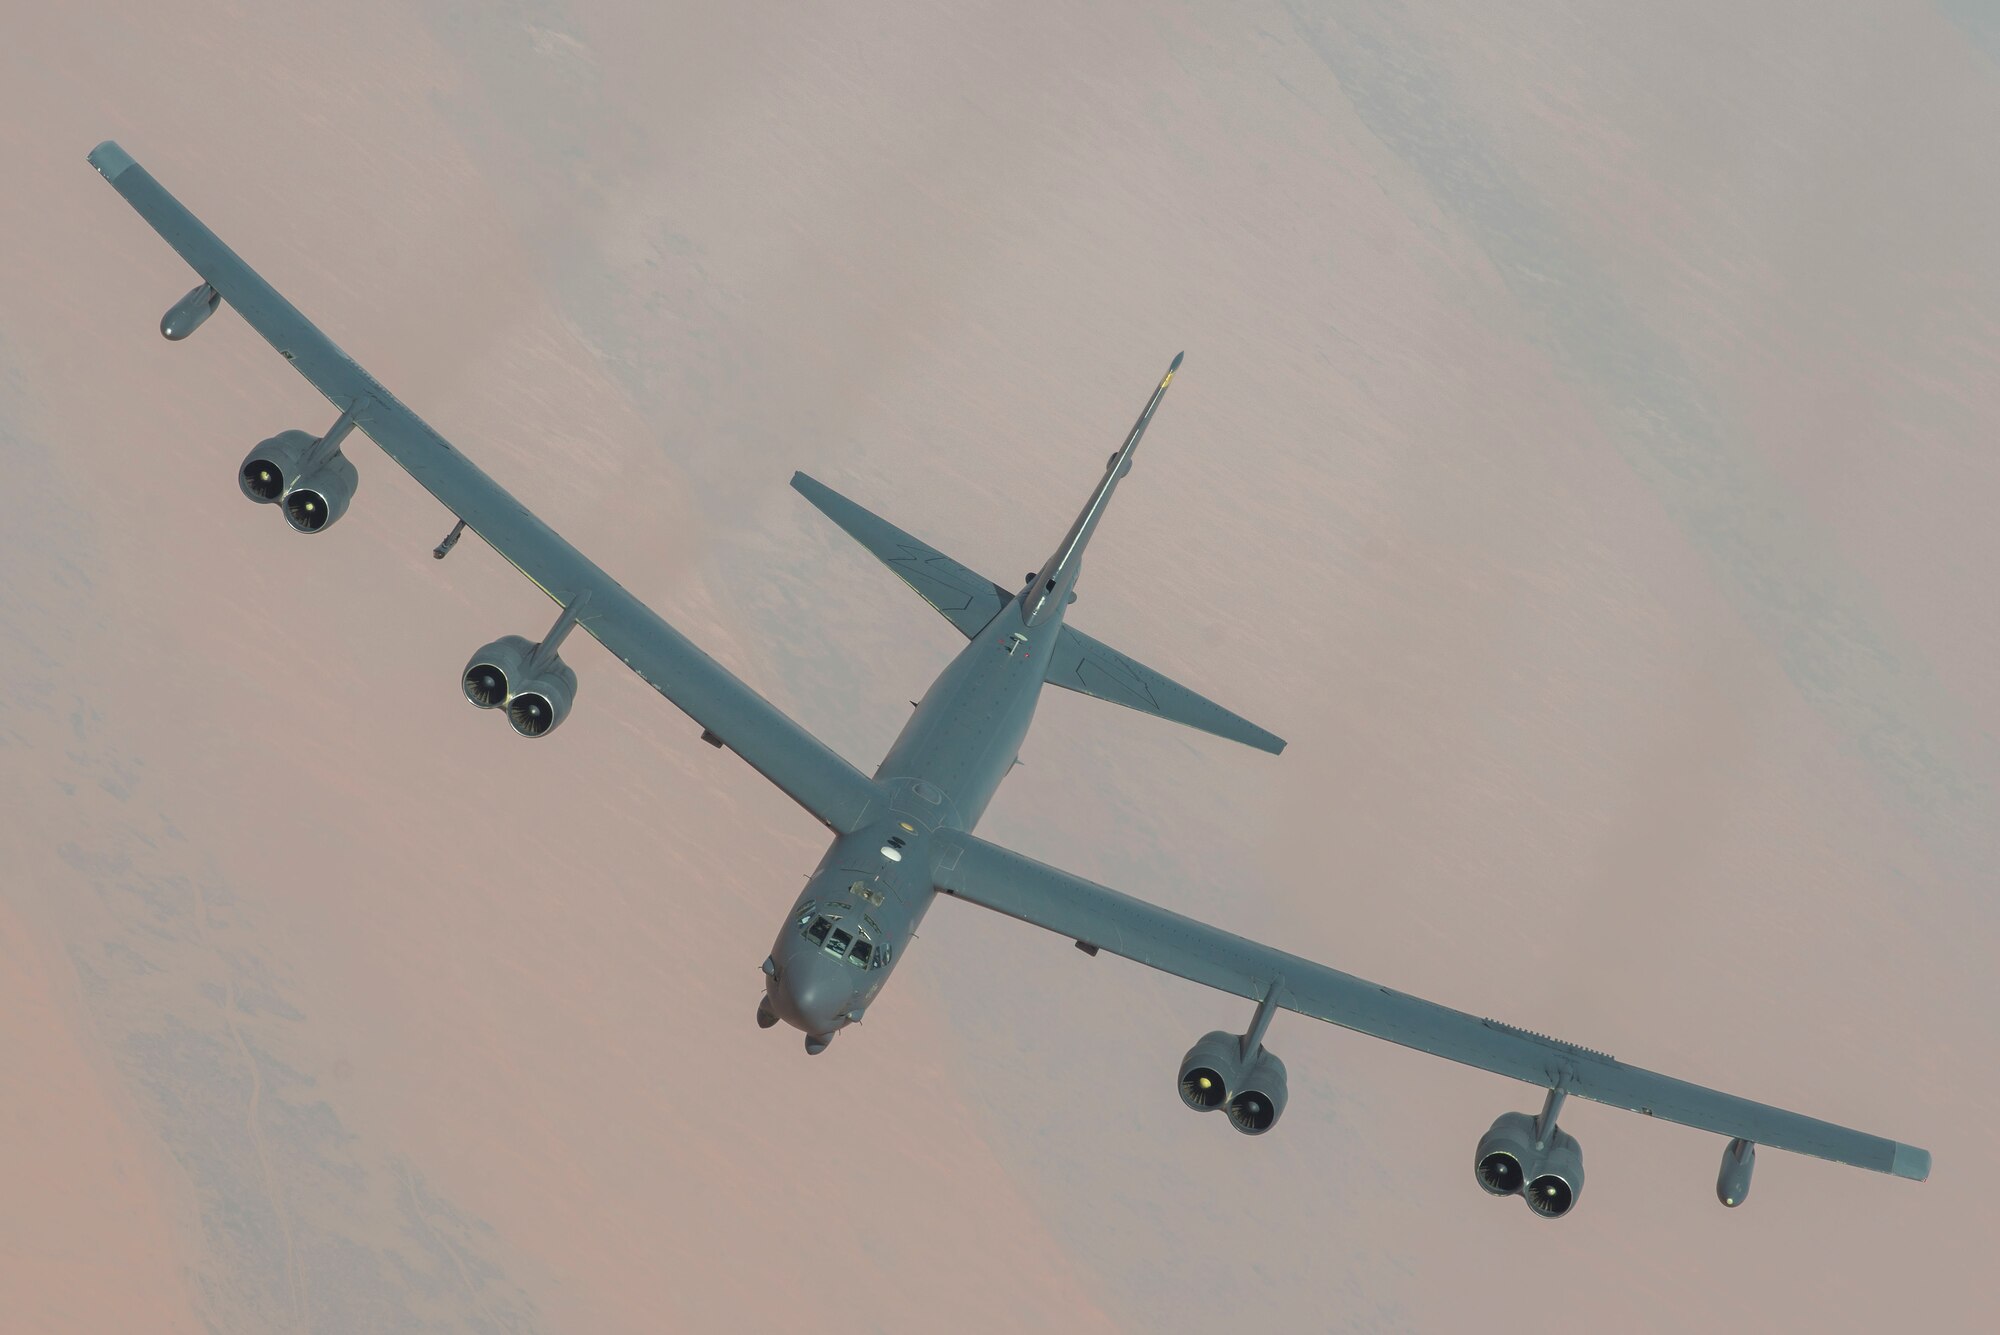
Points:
(1009, 883)
(800, 764)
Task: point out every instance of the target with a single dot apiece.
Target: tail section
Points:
(1057, 576)
(1074, 661)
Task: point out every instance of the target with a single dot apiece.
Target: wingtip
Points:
(1177, 362)
(110, 160)
(1912, 1163)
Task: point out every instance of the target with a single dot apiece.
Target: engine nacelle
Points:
(1557, 1180)
(269, 470)
(1509, 1162)
(540, 704)
(1212, 1068)
(1257, 1105)
(493, 670)
(1732, 1184)
(490, 673)
(185, 316)
(316, 500)
(313, 484)
(1503, 1153)
(505, 674)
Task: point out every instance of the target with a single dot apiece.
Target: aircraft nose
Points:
(810, 996)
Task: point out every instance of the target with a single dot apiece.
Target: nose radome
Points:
(811, 997)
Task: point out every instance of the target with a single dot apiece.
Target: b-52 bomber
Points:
(903, 836)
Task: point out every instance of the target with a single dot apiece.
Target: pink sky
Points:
(1585, 456)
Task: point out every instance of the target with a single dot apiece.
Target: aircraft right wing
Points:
(729, 712)
(1099, 918)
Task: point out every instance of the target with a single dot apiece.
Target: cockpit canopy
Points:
(842, 942)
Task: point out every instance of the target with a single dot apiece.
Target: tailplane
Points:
(1090, 667)
(961, 597)
(1076, 662)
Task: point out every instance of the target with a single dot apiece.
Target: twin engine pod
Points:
(535, 688)
(308, 476)
(1548, 1175)
(1215, 1075)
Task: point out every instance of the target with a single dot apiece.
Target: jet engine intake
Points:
(539, 705)
(1509, 1161)
(315, 501)
(269, 470)
(1212, 1068)
(1260, 1101)
(487, 675)
(312, 483)
(1558, 1177)
(535, 689)
(1507, 1145)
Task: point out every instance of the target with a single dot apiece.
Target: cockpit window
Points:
(806, 912)
(850, 944)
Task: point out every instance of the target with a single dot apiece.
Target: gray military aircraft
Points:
(904, 836)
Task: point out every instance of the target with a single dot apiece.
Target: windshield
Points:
(850, 944)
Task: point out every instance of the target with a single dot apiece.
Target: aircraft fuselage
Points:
(874, 884)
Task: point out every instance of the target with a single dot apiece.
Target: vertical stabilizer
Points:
(1057, 576)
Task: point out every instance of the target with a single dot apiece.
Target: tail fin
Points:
(1058, 574)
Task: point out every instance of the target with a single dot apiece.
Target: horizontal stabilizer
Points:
(962, 597)
(1079, 663)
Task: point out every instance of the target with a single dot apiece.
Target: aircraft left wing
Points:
(1098, 918)
(800, 764)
